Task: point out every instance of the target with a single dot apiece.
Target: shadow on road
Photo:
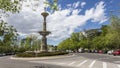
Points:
(41, 67)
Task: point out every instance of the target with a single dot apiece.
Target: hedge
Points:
(40, 54)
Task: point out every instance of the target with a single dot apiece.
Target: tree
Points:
(114, 32)
(109, 41)
(99, 40)
(64, 45)
(75, 39)
(72, 43)
(104, 30)
(8, 32)
(53, 5)
(31, 42)
(35, 43)
(8, 36)
(9, 6)
(92, 33)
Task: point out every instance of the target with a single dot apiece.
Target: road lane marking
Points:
(82, 63)
(60, 63)
(90, 66)
(55, 63)
(104, 65)
(118, 66)
(72, 63)
(117, 61)
(103, 58)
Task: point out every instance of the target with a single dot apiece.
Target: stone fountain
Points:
(44, 33)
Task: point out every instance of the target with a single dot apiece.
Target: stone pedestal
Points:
(44, 41)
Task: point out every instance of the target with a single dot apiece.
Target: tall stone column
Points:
(44, 33)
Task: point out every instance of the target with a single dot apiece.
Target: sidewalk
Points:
(42, 58)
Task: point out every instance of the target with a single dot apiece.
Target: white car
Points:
(110, 52)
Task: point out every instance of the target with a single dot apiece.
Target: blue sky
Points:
(73, 16)
(110, 5)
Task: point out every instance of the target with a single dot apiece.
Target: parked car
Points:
(95, 51)
(100, 51)
(117, 52)
(105, 51)
(110, 52)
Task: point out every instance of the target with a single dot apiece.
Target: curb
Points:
(42, 58)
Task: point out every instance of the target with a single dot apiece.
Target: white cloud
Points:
(61, 23)
(69, 5)
(76, 4)
(76, 11)
(99, 13)
(83, 4)
(27, 20)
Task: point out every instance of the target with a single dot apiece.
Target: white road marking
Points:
(117, 61)
(118, 66)
(90, 66)
(60, 63)
(82, 63)
(103, 58)
(104, 65)
(73, 55)
(72, 63)
(55, 63)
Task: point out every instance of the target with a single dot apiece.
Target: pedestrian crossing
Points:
(91, 65)
(104, 65)
(72, 63)
(87, 63)
(82, 63)
(118, 66)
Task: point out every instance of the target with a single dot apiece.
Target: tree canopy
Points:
(105, 38)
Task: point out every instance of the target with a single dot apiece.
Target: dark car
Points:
(117, 52)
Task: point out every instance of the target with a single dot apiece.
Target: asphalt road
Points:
(79, 60)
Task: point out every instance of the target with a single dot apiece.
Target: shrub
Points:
(42, 54)
(25, 55)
